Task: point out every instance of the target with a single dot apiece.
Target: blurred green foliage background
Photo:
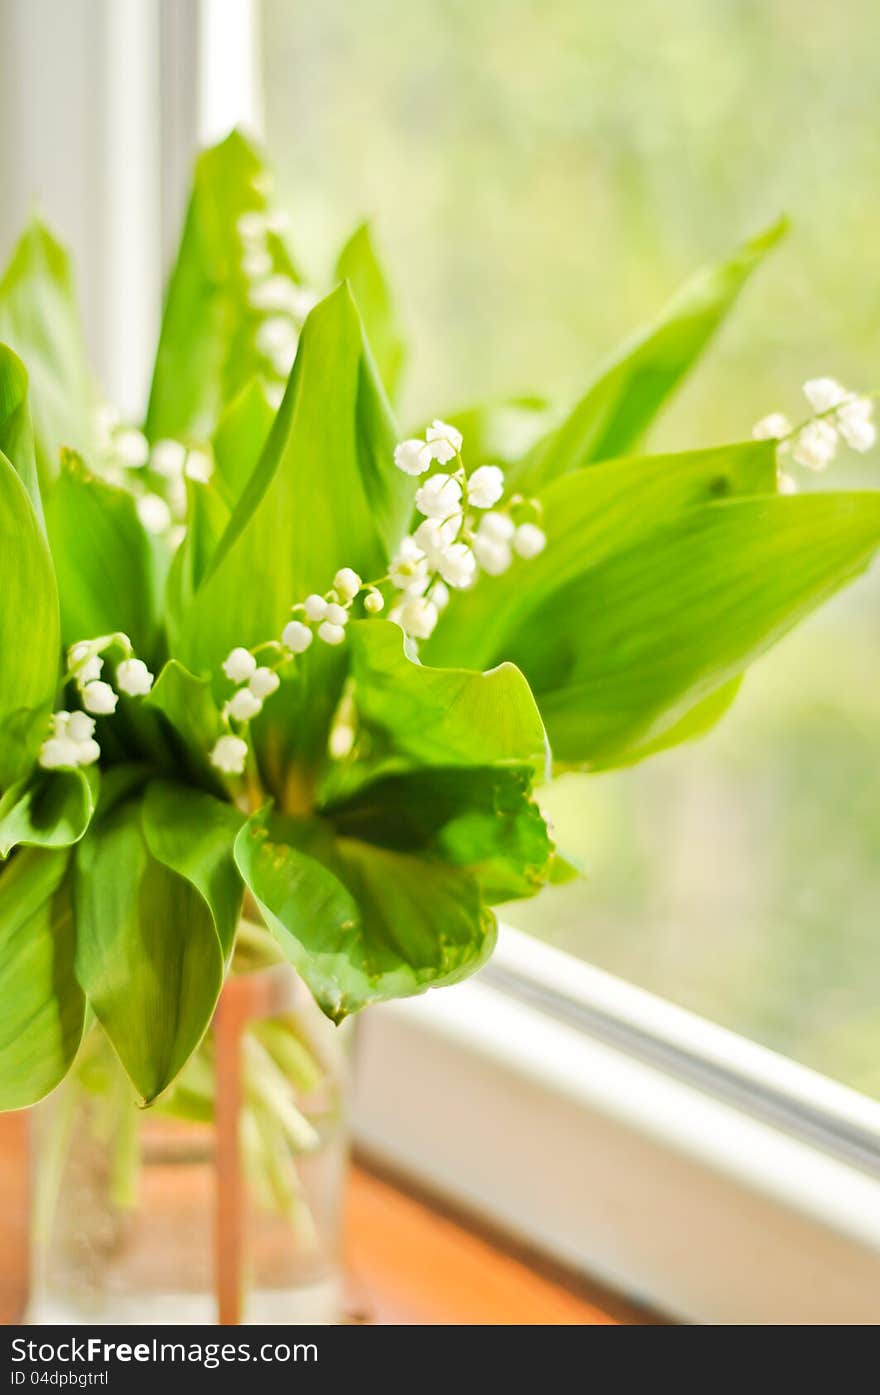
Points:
(540, 175)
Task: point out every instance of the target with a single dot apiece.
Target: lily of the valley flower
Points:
(439, 496)
(229, 754)
(133, 677)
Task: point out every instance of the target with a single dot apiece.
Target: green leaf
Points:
(29, 629)
(38, 317)
(382, 892)
(411, 717)
(374, 924)
(41, 1005)
(325, 494)
(49, 809)
(479, 818)
(148, 955)
(16, 430)
(359, 265)
(238, 443)
(103, 559)
(239, 440)
(621, 404)
(618, 655)
(589, 515)
(187, 704)
(207, 350)
(193, 834)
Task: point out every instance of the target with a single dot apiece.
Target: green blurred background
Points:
(540, 177)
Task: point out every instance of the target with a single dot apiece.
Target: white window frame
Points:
(691, 1169)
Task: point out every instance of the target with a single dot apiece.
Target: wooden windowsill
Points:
(408, 1260)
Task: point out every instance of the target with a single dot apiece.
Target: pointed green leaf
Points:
(49, 809)
(16, 430)
(618, 655)
(359, 265)
(588, 515)
(39, 318)
(103, 559)
(29, 629)
(207, 351)
(147, 956)
(41, 1004)
(623, 401)
(193, 834)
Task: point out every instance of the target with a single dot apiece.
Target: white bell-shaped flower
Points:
(168, 457)
(199, 466)
(444, 441)
(79, 726)
(853, 421)
(87, 752)
(409, 570)
(132, 449)
(346, 583)
(90, 669)
(331, 633)
(243, 705)
(264, 682)
(529, 540)
(153, 513)
(315, 607)
(499, 527)
(58, 753)
(494, 557)
(99, 698)
(439, 497)
(816, 445)
(417, 617)
(434, 536)
(229, 754)
(374, 603)
(336, 614)
(824, 393)
(296, 636)
(458, 566)
(239, 665)
(485, 486)
(412, 457)
(771, 428)
(133, 677)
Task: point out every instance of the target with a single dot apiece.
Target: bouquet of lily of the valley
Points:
(267, 647)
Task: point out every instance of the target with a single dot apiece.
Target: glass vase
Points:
(222, 1202)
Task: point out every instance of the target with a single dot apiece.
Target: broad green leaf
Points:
(29, 629)
(359, 265)
(696, 722)
(147, 956)
(38, 317)
(411, 717)
(49, 809)
(478, 818)
(588, 515)
(103, 559)
(324, 494)
(193, 834)
(41, 1004)
(207, 351)
(16, 430)
(362, 923)
(621, 404)
(618, 655)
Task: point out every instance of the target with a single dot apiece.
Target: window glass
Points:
(540, 176)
